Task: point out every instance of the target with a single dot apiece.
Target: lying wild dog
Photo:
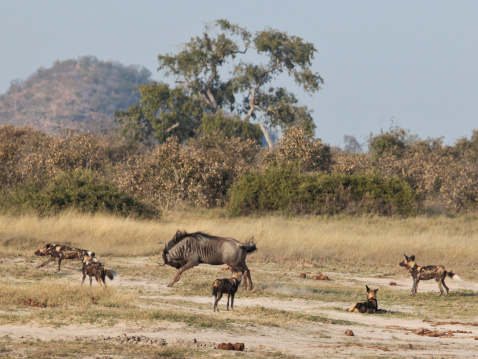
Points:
(438, 273)
(226, 286)
(93, 268)
(370, 306)
(60, 252)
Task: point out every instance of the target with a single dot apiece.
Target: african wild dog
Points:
(93, 268)
(228, 286)
(438, 273)
(60, 252)
(370, 306)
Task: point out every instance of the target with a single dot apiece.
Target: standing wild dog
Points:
(228, 286)
(60, 252)
(438, 273)
(370, 306)
(93, 268)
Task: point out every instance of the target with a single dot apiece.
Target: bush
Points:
(283, 189)
(79, 190)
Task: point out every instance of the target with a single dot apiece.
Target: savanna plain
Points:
(48, 314)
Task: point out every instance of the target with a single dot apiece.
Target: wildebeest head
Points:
(167, 258)
(45, 250)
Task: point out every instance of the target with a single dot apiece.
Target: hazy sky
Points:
(410, 63)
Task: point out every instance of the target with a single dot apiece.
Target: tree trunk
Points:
(267, 136)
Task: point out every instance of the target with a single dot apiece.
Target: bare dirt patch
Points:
(284, 316)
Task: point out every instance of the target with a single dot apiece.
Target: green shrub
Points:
(283, 189)
(79, 190)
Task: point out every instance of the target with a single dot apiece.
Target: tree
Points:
(211, 79)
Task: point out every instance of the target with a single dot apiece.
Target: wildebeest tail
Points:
(249, 248)
(109, 273)
(453, 276)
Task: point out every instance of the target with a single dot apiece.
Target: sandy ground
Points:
(374, 335)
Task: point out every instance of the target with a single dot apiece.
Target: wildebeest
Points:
(370, 306)
(93, 268)
(60, 252)
(418, 273)
(227, 286)
(187, 250)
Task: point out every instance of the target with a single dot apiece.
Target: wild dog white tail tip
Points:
(457, 277)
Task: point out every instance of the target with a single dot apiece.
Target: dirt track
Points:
(375, 335)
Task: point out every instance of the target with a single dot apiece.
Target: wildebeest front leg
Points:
(192, 262)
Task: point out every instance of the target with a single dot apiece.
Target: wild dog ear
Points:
(411, 258)
(376, 290)
(405, 256)
(368, 289)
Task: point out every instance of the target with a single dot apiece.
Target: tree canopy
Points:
(230, 74)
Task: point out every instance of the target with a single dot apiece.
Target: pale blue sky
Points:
(410, 62)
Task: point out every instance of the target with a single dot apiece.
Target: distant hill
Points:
(79, 94)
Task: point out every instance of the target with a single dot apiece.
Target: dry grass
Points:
(139, 301)
(357, 242)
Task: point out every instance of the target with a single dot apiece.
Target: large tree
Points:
(213, 75)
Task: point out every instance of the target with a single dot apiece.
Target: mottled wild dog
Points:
(60, 252)
(93, 268)
(370, 306)
(226, 286)
(418, 273)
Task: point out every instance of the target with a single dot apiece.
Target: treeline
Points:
(399, 175)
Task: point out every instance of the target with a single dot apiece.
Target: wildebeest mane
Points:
(180, 235)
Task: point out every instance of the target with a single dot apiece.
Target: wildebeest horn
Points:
(157, 261)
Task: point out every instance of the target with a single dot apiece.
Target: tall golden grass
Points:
(377, 242)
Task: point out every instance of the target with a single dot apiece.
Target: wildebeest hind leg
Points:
(192, 262)
(247, 276)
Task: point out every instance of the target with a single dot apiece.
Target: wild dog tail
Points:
(109, 273)
(454, 276)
